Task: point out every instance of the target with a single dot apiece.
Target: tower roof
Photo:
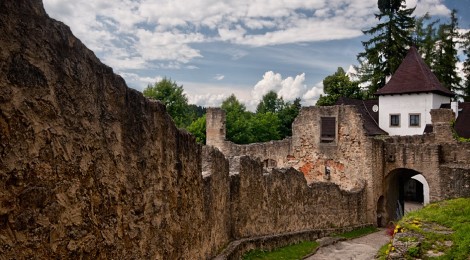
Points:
(413, 76)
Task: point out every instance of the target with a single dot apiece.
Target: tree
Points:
(386, 49)
(286, 112)
(273, 120)
(424, 38)
(172, 96)
(270, 103)
(237, 121)
(264, 127)
(445, 64)
(466, 68)
(338, 85)
(287, 115)
(198, 129)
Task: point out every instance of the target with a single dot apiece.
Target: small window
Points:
(328, 129)
(395, 120)
(415, 120)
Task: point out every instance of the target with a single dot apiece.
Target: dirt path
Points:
(363, 248)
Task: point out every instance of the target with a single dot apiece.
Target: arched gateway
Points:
(404, 190)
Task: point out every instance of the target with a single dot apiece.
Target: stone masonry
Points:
(92, 169)
(354, 159)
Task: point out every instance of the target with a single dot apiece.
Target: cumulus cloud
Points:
(289, 88)
(206, 100)
(131, 35)
(162, 30)
(311, 96)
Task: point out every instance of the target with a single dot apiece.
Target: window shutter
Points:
(328, 129)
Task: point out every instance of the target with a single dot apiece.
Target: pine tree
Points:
(466, 68)
(386, 49)
(425, 37)
(445, 65)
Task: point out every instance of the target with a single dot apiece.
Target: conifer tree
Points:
(390, 40)
(445, 65)
(425, 37)
(466, 68)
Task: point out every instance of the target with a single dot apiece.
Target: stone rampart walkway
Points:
(362, 248)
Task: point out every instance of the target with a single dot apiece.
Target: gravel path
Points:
(363, 248)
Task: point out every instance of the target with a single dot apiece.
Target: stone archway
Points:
(402, 189)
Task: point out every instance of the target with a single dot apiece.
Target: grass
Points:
(452, 215)
(382, 254)
(358, 232)
(296, 251)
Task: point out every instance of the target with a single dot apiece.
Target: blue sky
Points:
(215, 48)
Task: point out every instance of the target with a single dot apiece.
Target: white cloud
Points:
(139, 82)
(207, 100)
(219, 77)
(163, 30)
(270, 81)
(149, 34)
(293, 88)
(289, 88)
(433, 7)
(311, 97)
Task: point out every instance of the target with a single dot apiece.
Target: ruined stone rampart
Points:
(272, 154)
(91, 169)
(345, 157)
(281, 201)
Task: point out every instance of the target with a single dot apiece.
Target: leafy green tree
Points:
(285, 111)
(237, 121)
(273, 121)
(466, 68)
(338, 85)
(445, 64)
(388, 46)
(264, 127)
(198, 129)
(287, 115)
(270, 103)
(176, 102)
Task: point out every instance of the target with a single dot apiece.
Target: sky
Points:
(214, 48)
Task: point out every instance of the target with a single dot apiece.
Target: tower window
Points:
(415, 120)
(395, 120)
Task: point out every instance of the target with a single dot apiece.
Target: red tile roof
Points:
(413, 76)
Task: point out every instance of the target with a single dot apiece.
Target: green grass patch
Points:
(358, 232)
(440, 223)
(296, 251)
(383, 251)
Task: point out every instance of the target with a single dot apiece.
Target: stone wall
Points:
(272, 154)
(354, 159)
(344, 157)
(91, 169)
(281, 202)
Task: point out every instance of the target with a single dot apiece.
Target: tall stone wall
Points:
(91, 169)
(344, 157)
(281, 202)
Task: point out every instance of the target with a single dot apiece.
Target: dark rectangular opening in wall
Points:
(328, 130)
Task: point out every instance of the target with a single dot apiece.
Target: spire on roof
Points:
(413, 76)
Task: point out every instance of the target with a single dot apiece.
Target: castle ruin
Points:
(92, 169)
